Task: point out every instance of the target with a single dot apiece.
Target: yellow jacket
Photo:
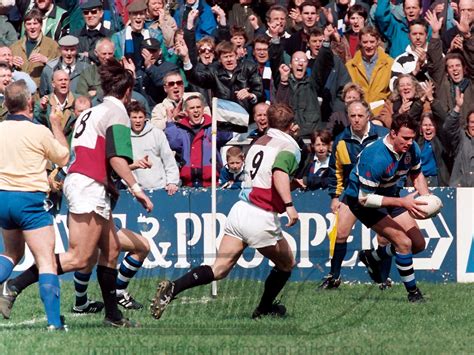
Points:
(377, 89)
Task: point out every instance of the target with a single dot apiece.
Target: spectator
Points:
(171, 108)
(60, 101)
(315, 172)
(149, 77)
(261, 120)
(435, 160)
(396, 30)
(357, 16)
(339, 119)
(34, 50)
(241, 14)
(55, 19)
(5, 80)
(229, 79)
(233, 173)
(7, 57)
(191, 139)
(150, 143)
(334, 77)
(453, 73)
(81, 103)
(465, 10)
(300, 91)
(89, 80)
(310, 16)
(8, 34)
(276, 24)
(159, 18)
(406, 98)
(239, 38)
(413, 60)
(205, 24)
(69, 61)
(461, 143)
(371, 68)
(128, 41)
(93, 30)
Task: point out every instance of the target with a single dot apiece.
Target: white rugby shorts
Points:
(85, 195)
(254, 226)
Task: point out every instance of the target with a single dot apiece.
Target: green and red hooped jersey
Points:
(274, 150)
(100, 133)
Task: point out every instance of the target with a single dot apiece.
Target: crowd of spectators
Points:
(402, 57)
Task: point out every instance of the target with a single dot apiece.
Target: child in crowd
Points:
(316, 169)
(233, 173)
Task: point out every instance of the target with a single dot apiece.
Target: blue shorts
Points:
(371, 216)
(24, 210)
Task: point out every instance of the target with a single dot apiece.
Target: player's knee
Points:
(404, 244)
(287, 265)
(143, 249)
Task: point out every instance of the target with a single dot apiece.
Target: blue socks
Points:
(49, 293)
(81, 282)
(405, 269)
(340, 250)
(6, 267)
(128, 268)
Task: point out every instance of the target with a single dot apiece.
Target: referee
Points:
(25, 148)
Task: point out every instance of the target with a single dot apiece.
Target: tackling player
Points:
(271, 161)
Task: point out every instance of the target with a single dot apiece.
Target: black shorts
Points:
(371, 216)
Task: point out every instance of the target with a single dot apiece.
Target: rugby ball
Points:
(432, 208)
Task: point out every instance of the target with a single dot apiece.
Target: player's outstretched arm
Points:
(120, 166)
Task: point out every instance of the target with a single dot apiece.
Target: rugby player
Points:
(100, 145)
(271, 161)
(373, 197)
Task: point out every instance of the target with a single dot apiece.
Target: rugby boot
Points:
(373, 267)
(7, 298)
(329, 283)
(163, 296)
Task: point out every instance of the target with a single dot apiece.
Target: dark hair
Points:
(315, 4)
(357, 9)
(323, 134)
(400, 120)
(34, 14)
(17, 96)
(275, 8)
(261, 39)
(115, 79)
(420, 22)
(280, 116)
(369, 30)
(316, 32)
(5, 65)
(455, 55)
(238, 31)
(136, 106)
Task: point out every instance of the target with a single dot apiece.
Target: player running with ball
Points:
(373, 197)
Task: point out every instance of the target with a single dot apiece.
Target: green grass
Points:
(355, 319)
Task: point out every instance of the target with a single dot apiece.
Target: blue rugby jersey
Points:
(379, 169)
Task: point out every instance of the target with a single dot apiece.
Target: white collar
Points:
(276, 133)
(390, 147)
(356, 137)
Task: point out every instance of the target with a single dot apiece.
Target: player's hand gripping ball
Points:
(432, 208)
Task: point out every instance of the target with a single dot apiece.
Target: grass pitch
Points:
(357, 319)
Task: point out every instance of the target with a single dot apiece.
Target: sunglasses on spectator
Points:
(206, 50)
(173, 83)
(92, 12)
